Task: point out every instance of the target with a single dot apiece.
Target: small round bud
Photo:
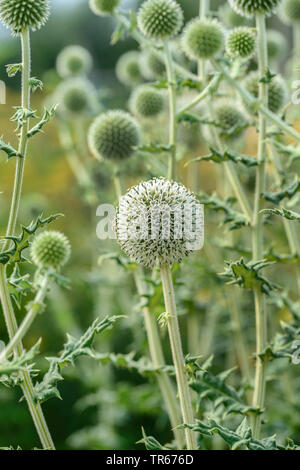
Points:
(160, 19)
(277, 45)
(241, 43)
(251, 7)
(203, 39)
(73, 60)
(147, 102)
(291, 11)
(277, 90)
(19, 15)
(230, 119)
(128, 69)
(103, 7)
(113, 135)
(50, 249)
(75, 96)
(143, 215)
(152, 66)
(231, 18)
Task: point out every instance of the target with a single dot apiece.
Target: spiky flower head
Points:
(291, 11)
(277, 90)
(159, 222)
(251, 7)
(230, 119)
(152, 65)
(19, 15)
(147, 102)
(160, 19)
(75, 96)
(113, 135)
(73, 60)
(203, 39)
(241, 42)
(103, 7)
(50, 249)
(277, 45)
(128, 69)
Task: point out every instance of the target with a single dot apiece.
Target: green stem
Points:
(172, 112)
(9, 315)
(257, 233)
(28, 320)
(204, 6)
(213, 84)
(296, 51)
(177, 353)
(158, 361)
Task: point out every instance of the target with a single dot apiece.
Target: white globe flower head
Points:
(159, 222)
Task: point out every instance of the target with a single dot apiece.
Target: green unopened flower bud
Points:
(128, 69)
(160, 19)
(113, 135)
(203, 39)
(251, 7)
(291, 11)
(147, 102)
(241, 42)
(152, 219)
(152, 65)
(277, 90)
(277, 45)
(230, 119)
(103, 7)
(76, 96)
(19, 15)
(50, 249)
(73, 60)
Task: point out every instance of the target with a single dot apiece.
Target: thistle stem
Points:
(9, 315)
(204, 6)
(172, 112)
(257, 232)
(177, 353)
(28, 320)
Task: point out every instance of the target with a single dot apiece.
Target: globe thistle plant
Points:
(277, 90)
(160, 19)
(203, 39)
(142, 237)
(50, 250)
(241, 43)
(75, 96)
(73, 60)
(113, 135)
(103, 7)
(230, 119)
(128, 69)
(147, 102)
(249, 8)
(19, 15)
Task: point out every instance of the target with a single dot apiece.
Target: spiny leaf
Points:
(247, 275)
(47, 116)
(268, 77)
(13, 69)
(232, 217)
(73, 349)
(150, 442)
(287, 214)
(14, 254)
(287, 192)
(291, 151)
(8, 149)
(17, 363)
(155, 148)
(22, 115)
(120, 260)
(35, 84)
(228, 155)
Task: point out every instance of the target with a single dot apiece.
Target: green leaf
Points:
(268, 77)
(73, 349)
(287, 214)
(232, 217)
(247, 275)
(150, 442)
(288, 192)
(120, 260)
(18, 363)
(14, 254)
(8, 149)
(228, 155)
(47, 116)
(35, 84)
(22, 115)
(13, 69)
(155, 148)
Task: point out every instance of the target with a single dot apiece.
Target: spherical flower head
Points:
(231, 18)
(277, 90)
(104, 7)
(277, 45)
(230, 119)
(291, 11)
(153, 220)
(249, 8)
(152, 65)
(113, 135)
(128, 69)
(203, 39)
(75, 96)
(19, 15)
(147, 102)
(241, 43)
(73, 60)
(160, 19)
(50, 250)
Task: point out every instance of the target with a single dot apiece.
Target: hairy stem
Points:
(257, 232)
(172, 112)
(9, 315)
(204, 6)
(177, 353)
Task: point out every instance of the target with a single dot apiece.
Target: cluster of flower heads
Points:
(19, 15)
(159, 222)
(50, 250)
